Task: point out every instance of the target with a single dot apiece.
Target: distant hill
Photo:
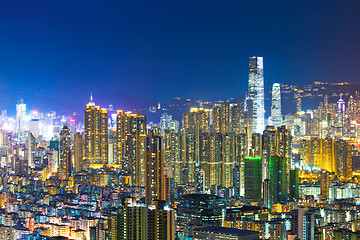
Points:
(122, 101)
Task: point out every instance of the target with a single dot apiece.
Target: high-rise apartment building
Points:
(222, 118)
(269, 148)
(343, 159)
(136, 221)
(65, 167)
(351, 109)
(256, 92)
(294, 184)
(278, 179)
(253, 179)
(225, 118)
(78, 155)
(96, 133)
(228, 161)
(324, 185)
(130, 145)
(237, 118)
(154, 171)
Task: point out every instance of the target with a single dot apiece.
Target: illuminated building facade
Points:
(154, 167)
(20, 119)
(237, 117)
(256, 92)
(341, 116)
(352, 109)
(269, 149)
(201, 210)
(276, 105)
(65, 166)
(343, 159)
(324, 185)
(225, 118)
(136, 221)
(130, 145)
(78, 153)
(96, 133)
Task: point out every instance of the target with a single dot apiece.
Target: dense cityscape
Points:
(225, 170)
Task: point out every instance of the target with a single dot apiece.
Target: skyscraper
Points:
(341, 112)
(256, 92)
(276, 105)
(20, 118)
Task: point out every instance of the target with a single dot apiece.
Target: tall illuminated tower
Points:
(276, 105)
(20, 115)
(96, 133)
(256, 92)
(341, 115)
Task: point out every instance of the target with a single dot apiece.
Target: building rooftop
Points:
(224, 230)
(246, 208)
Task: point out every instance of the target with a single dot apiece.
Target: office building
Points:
(276, 105)
(201, 210)
(256, 92)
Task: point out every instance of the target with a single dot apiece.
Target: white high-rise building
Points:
(256, 92)
(276, 105)
(20, 116)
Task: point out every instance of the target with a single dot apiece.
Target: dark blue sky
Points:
(52, 50)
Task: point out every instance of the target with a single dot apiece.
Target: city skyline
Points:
(185, 120)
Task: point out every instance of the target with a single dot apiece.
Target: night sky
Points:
(53, 51)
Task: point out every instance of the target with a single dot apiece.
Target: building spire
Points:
(92, 103)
